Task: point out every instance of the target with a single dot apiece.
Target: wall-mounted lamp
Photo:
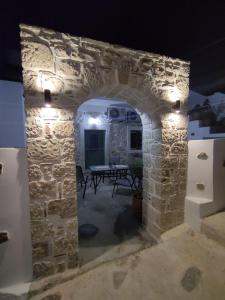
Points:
(177, 106)
(48, 99)
(94, 121)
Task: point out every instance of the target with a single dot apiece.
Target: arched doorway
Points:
(77, 69)
(108, 137)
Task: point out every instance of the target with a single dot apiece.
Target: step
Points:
(214, 227)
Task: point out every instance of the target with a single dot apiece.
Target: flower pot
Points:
(137, 205)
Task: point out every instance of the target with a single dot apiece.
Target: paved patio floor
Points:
(186, 265)
(118, 229)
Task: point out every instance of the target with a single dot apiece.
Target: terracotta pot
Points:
(137, 204)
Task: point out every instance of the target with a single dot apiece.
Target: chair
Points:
(123, 178)
(81, 179)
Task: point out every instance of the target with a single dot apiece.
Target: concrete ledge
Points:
(17, 292)
(214, 227)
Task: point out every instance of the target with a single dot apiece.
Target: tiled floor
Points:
(118, 229)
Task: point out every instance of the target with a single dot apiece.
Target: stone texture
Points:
(191, 279)
(42, 269)
(34, 172)
(42, 189)
(40, 250)
(78, 69)
(64, 130)
(40, 150)
(65, 208)
(37, 56)
(67, 150)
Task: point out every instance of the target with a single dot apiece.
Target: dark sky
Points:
(193, 30)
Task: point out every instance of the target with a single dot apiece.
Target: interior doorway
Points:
(94, 147)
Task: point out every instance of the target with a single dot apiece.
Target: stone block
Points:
(42, 190)
(47, 171)
(40, 150)
(67, 150)
(71, 229)
(65, 208)
(179, 148)
(39, 230)
(60, 246)
(64, 129)
(69, 187)
(72, 261)
(69, 209)
(43, 269)
(37, 56)
(40, 250)
(33, 128)
(59, 171)
(183, 161)
(68, 68)
(62, 51)
(170, 136)
(37, 210)
(34, 173)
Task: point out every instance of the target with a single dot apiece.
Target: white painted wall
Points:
(15, 255)
(12, 124)
(209, 172)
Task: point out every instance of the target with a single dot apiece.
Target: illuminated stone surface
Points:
(77, 69)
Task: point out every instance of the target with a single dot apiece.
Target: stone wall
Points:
(51, 163)
(76, 69)
(118, 142)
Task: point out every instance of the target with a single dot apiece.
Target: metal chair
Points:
(123, 178)
(81, 178)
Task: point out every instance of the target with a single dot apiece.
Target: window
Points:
(135, 139)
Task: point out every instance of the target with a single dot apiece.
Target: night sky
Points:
(192, 30)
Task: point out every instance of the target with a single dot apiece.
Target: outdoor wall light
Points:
(48, 99)
(94, 121)
(177, 106)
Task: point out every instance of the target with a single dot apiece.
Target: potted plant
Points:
(136, 169)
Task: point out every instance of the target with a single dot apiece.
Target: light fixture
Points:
(177, 106)
(94, 121)
(48, 99)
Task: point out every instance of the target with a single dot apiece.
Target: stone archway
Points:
(75, 70)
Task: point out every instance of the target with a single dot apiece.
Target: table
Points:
(100, 172)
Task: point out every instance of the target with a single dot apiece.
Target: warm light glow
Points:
(94, 121)
(45, 83)
(49, 113)
(175, 117)
(174, 94)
